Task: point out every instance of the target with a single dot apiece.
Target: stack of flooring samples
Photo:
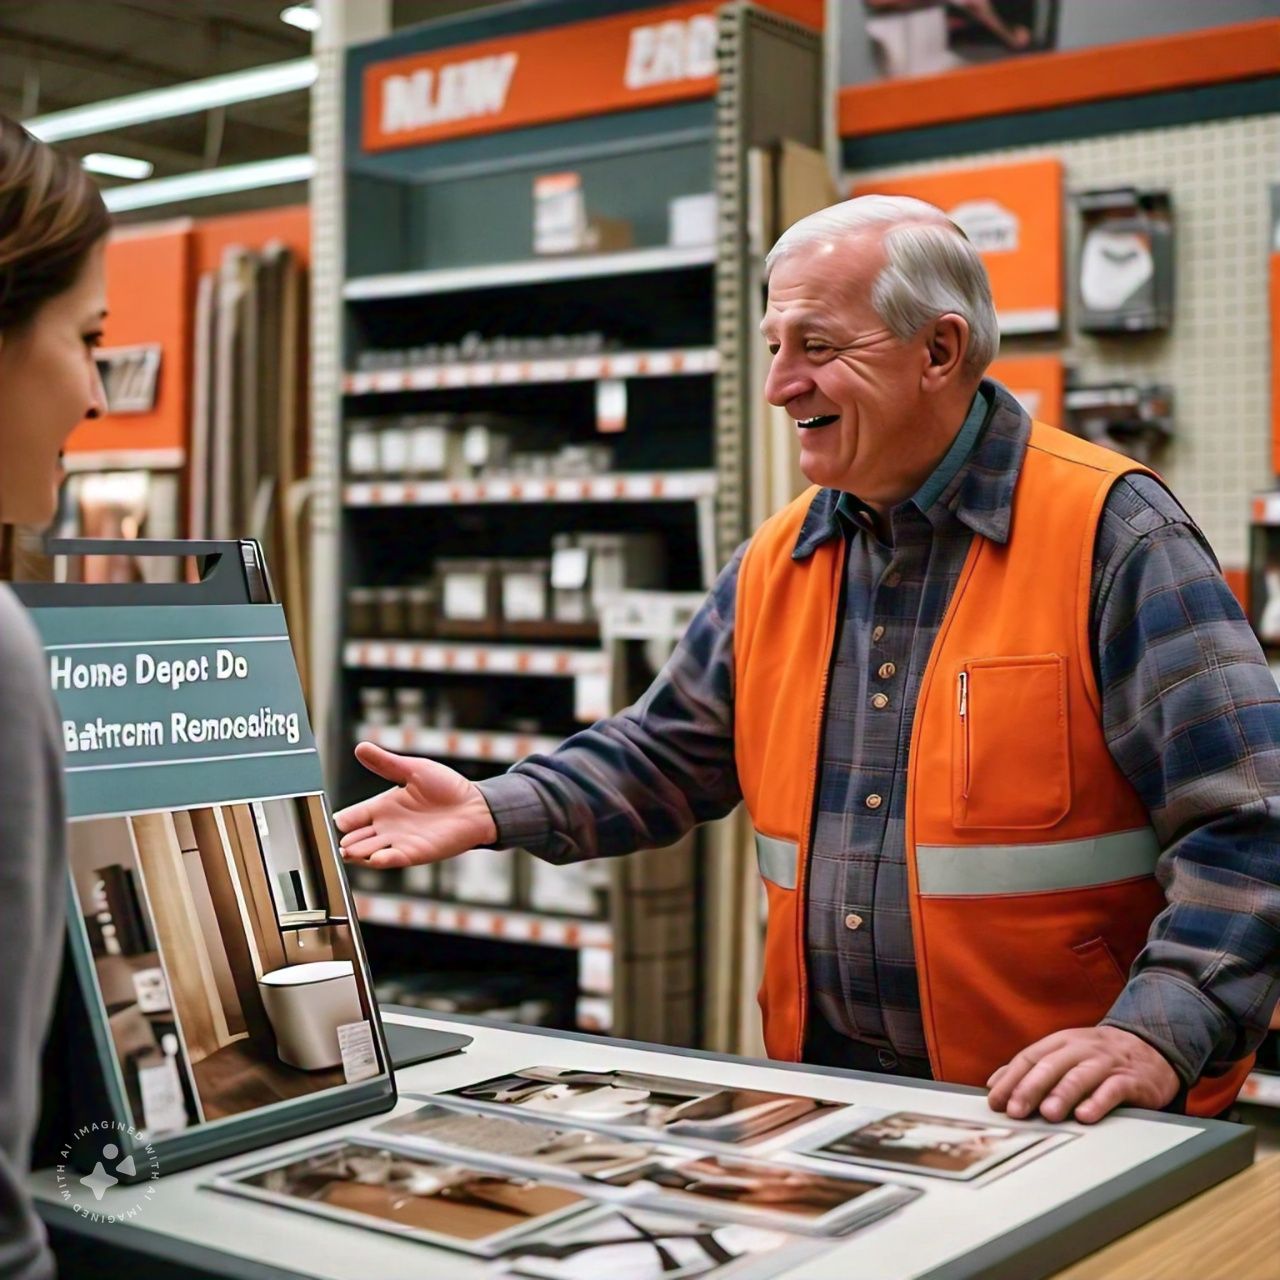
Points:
(248, 436)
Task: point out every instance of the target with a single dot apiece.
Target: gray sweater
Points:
(32, 920)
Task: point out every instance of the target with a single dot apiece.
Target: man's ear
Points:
(947, 342)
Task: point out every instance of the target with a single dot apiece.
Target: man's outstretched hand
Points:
(430, 814)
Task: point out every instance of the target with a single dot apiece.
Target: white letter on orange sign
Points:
(489, 83)
(700, 59)
(668, 62)
(406, 102)
(639, 56)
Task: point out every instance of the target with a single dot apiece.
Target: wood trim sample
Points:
(246, 852)
(192, 986)
(316, 825)
(226, 906)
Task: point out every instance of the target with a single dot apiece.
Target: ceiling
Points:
(56, 54)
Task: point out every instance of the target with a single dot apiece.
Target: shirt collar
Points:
(979, 492)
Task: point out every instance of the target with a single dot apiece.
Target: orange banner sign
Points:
(1035, 382)
(607, 64)
(1013, 214)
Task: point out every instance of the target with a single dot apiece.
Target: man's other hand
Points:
(1091, 1070)
(430, 814)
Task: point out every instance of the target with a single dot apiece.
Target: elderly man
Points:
(1009, 746)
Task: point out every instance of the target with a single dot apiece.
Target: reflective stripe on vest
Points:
(978, 869)
(778, 859)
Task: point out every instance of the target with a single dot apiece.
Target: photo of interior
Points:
(224, 957)
(472, 1210)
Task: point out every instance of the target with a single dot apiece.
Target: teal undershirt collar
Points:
(945, 471)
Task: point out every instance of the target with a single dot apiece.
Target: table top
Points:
(1230, 1232)
(1093, 1183)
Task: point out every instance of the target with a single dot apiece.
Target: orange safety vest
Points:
(1030, 857)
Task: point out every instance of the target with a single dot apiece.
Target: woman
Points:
(53, 228)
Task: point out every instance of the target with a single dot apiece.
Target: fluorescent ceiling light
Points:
(178, 100)
(210, 182)
(303, 16)
(117, 166)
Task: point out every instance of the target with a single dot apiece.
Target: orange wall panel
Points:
(291, 225)
(1036, 382)
(1013, 213)
(1275, 363)
(149, 289)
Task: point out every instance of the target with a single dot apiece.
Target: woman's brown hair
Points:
(51, 215)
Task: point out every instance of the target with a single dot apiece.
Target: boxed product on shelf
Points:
(433, 448)
(362, 611)
(589, 568)
(420, 610)
(362, 447)
(579, 889)
(420, 879)
(526, 595)
(469, 602)
(485, 447)
(583, 460)
(411, 707)
(486, 877)
(393, 447)
(375, 705)
(390, 611)
(509, 997)
(691, 220)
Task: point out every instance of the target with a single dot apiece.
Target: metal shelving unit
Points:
(514, 373)
(435, 240)
(522, 271)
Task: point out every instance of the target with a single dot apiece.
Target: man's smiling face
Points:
(852, 387)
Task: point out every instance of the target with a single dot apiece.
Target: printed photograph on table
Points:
(223, 957)
(769, 1195)
(635, 1244)
(940, 1146)
(512, 1142)
(475, 1211)
(684, 1110)
(805, 1201)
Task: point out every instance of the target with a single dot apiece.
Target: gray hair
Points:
(932, 267)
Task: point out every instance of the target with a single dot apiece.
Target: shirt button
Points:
(853, 921)
(877, 635)
(887, 671)
(894, 579)
(874, 801)
(880, 701)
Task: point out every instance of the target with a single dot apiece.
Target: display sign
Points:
(608, 64)
(1035, 382)
(219, 966)
(1013, 215)
(166, 708)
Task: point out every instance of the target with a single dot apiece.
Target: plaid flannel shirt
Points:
(1190, 713)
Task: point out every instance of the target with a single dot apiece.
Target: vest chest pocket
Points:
(1011, 762)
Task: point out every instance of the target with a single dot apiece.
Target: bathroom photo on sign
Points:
(472, 1210)
(223, 957)
(629, 1101)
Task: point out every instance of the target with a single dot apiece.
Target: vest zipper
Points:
(964, 731)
